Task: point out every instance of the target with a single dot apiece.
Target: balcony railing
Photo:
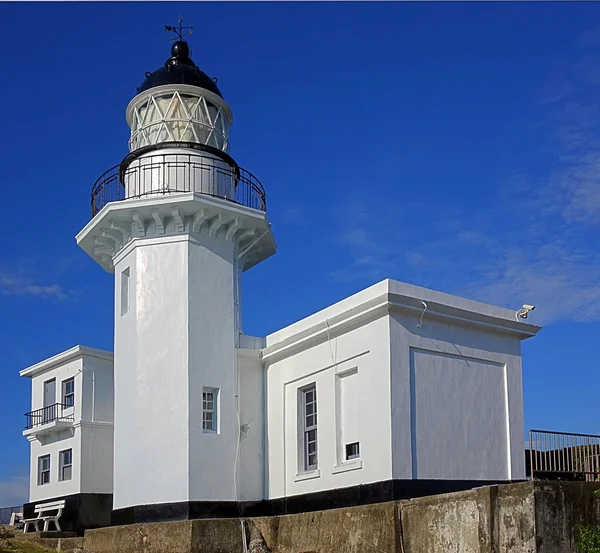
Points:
(162, 174)
(563, 456)
(47, 415)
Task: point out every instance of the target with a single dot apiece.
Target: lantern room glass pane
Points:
(179, 118)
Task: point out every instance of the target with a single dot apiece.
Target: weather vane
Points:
(179, 30)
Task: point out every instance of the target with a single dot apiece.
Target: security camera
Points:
(524, 311)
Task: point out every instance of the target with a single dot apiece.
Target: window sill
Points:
(355, 464)
(307, 475)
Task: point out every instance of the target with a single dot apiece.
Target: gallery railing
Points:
(162, 174)
(563, 456)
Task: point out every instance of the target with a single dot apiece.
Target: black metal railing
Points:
(172, 173)
(48, 414)
(6, 513)
(563, 456)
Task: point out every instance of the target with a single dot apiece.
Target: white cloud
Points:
(22, 286)
(14, 491)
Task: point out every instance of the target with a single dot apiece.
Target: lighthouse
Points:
(177, 221)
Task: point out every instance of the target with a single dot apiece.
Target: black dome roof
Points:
(180, 69)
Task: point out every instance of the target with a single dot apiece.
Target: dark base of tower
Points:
(364, 494)
(82, 511)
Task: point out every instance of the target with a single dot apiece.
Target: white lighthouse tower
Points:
(176, 222)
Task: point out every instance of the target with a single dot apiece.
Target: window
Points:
(352, 451)
(308, 413)
(43, 470)
(209, 409)
(68, 392)
(65, 464)
(125, 292)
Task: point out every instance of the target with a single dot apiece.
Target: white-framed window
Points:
(68, 392)
(43, 470)
(65, 464)
(125, 292)
(308, 427)
(210, 409)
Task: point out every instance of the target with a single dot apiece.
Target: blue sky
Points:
(451, 145)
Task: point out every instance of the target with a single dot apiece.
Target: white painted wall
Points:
(365, 349)
(252, 461)
(151, 373)
(212, 361)
(178, 337)
(456, 401)
(96, 453)
(98, 380)
(52, 445)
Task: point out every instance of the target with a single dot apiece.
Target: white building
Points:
(397, 391)
(70, 430)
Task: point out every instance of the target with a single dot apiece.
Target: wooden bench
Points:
(41, 509)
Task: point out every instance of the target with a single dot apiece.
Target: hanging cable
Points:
(421, 321)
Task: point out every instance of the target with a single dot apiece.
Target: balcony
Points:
(170, 173)
(48, 419)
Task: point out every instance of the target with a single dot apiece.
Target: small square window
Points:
(65, 465)
(209, 409)
(43, 470)
(352, 451)
(68, 392)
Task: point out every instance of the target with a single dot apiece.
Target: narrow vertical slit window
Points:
(125, 292)
(210, 397)
(65, 465)
(43, 470)
(308, 412)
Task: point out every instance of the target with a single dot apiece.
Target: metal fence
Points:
(6, 512)
(563, 456)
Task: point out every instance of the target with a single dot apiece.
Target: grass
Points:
(22, 546)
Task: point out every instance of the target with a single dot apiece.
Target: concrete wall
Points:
(360, 353)
(456, 397)
(540, 517)
(514, 518)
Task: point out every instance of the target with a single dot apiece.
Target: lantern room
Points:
(179, 103)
